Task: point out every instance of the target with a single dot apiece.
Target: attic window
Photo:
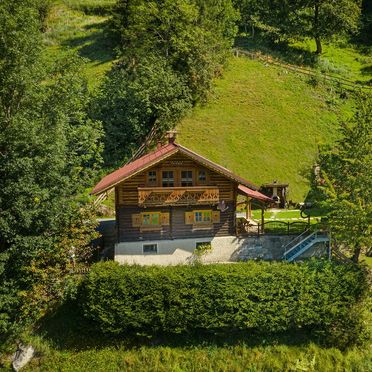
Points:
(186, 178)
(167, 179)
(202, 177)
(151, 178)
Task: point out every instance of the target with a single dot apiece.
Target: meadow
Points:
(265, 123)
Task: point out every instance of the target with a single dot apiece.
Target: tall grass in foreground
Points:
(209, 358)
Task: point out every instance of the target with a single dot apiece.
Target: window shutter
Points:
(165, 219)
(136, 220)
(189, 218)
(216, 216)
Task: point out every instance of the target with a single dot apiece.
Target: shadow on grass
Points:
(282, 51)
(366, 70)
(67, 329)
(97, 46)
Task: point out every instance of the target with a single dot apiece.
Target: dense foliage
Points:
(346, 182)
(266, 297)
(169, 51)
(320, 20)
(49, 149)
(194, 36)
(132, 100)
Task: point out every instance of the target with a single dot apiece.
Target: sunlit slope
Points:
(264, 123)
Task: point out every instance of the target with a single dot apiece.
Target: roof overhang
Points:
(157, 156)
(244, 190)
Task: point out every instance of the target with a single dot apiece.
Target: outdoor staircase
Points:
(302, 243)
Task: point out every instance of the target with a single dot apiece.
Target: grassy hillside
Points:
(261, 122)
(80, 26)
(264, 123)
(339, 58)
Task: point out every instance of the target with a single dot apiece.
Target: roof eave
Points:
(156, 161)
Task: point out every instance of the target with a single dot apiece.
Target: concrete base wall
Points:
(224, 249)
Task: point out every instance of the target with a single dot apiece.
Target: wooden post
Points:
(117, 227)
(248, 206)
(171, 222)
(262, 220)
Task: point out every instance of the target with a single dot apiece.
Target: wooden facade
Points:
(177, 198)
(173, 194)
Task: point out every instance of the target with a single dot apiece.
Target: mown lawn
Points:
(265, 123)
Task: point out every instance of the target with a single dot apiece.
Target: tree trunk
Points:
(356, 254)
(316, 30)
(319, 49)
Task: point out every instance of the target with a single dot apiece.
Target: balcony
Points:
(160, 196)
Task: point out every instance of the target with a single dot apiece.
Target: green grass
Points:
(285, 214)
(88, 35)
(208, 358)
(264, 123)
(340, 58)
(343, 59)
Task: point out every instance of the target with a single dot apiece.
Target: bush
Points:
(265, 297)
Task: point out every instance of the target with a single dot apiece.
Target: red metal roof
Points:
(134, 167)
(158, 155)
(254, 194)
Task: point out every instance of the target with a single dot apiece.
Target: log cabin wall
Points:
(127, 204)
(177, 228)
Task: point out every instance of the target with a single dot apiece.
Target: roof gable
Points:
(153, 158)
(133, 168)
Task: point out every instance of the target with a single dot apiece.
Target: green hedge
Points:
(267, 297)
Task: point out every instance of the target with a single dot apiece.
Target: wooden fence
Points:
(349, 84)
(275, 227)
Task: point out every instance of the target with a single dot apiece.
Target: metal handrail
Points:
(286, 251)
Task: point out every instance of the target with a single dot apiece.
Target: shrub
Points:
(260, 296)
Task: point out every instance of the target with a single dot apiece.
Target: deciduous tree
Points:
(134, 98)
(49, 148)
(346, 172)
(193, 36)
(317, 19)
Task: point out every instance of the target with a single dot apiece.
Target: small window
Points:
(167, 179)
(201, 217)
(151, 219)
(150, 248)
(202, 176)
(186, 178)
(151, 177)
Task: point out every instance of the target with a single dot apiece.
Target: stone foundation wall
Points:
(224, 249)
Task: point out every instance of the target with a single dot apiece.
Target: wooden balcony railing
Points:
(158, 196)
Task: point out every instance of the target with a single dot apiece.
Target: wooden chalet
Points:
(172, 199)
